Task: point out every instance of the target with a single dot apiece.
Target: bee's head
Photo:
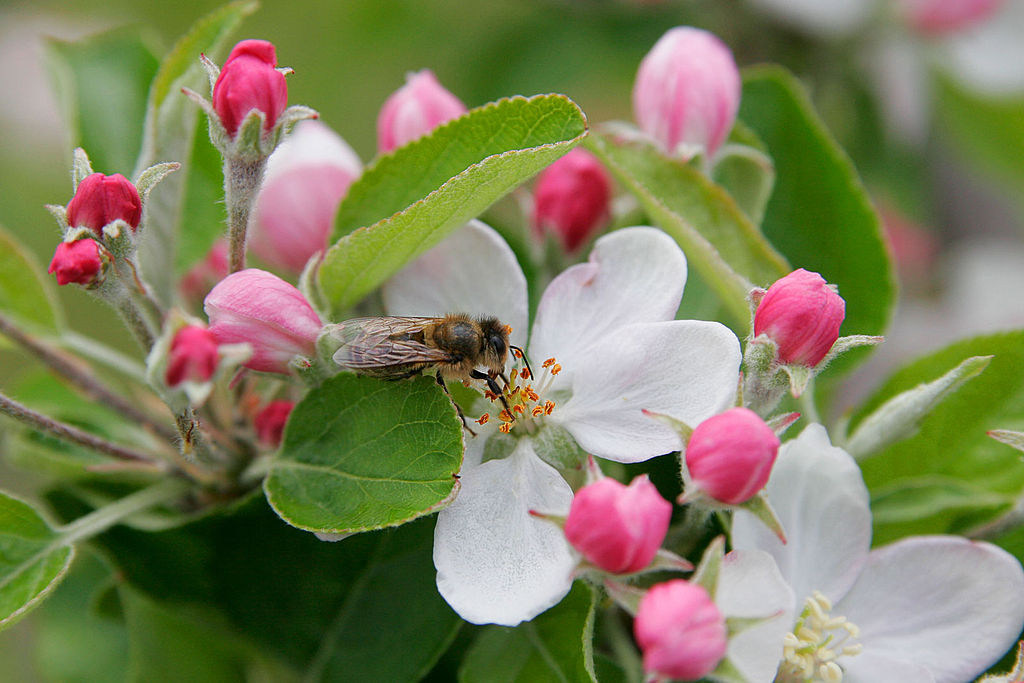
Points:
(495, 335)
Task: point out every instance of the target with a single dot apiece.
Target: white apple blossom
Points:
(610, 324)
(925, 608)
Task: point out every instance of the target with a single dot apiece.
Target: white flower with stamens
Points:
(925, 608)
(610, 324)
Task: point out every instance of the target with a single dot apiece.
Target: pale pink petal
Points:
(818, 493)
(497, 564)
(634, 275)
(687, 369)
(945, 603)
(827, 18)
(472, 271)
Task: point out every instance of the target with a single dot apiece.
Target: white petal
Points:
(472, 271)
(989, 57)
(496, 563)
(828, 18)
(750, 586)
(687, 369)
(634, 275)
(951, 605)
(818, 493)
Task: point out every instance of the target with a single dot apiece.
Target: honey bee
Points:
(455, 345)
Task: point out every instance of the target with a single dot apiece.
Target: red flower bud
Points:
(79, 262)
(249, 81)
(193, 356)
(801, 313)
(681, 632)
(101, 199)
(730, 455)
(571, 198)
(616, 527)
(259, 308)
(200, 278)
(270, 421)
(415, 109)
(687, 90)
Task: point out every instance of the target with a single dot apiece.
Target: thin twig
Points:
(22, 413)
(84, 380)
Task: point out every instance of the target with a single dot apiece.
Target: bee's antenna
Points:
(525, 359)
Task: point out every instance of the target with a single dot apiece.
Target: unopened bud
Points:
(616, 527)
(258, 308)
(687, 92)
(729, 456)
(415, 109)
(270, 422)
(306, 179)
(101, 199)
(801, 314)
(193, 356)
(201, 278)
(572, 198)
(80, 262)
(680, 631)
(249, 81)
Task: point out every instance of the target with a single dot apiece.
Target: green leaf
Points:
(720, 242)
(556, 646)
(952, 442)
(408, 201)
(921, 499)
(26, 293)
(101, 83)
(369, 600)
(75, 642)
(169, 644)
(819, 215)
(360, 453)
(169, 134)
(988, 130)
(32, 560)
(746, 171)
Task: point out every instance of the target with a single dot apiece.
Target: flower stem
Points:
(26, 415)
(101, 353)
(101, 519)
(84, 380)
(242, 178)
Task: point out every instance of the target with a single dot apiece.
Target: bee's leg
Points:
(493, 386)
(458, 408)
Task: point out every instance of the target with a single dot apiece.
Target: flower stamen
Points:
(817, 641)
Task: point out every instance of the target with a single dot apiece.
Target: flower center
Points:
(817, 641)
(523, 396)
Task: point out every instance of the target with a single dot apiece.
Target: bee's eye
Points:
(497, 344)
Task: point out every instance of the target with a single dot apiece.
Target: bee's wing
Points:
(375, 343)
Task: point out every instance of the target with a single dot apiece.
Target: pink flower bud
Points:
(102, 199)
(201, 278)
(802, 315)
(256, 307)
(616, 527)
(79, 262)
(681, 632)
(571, 198)
(730, 455)
(249, 81)
(270, 421)
(193, 356)
(936, 17)
(415, 109)
(687, 91)
(306, 179)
